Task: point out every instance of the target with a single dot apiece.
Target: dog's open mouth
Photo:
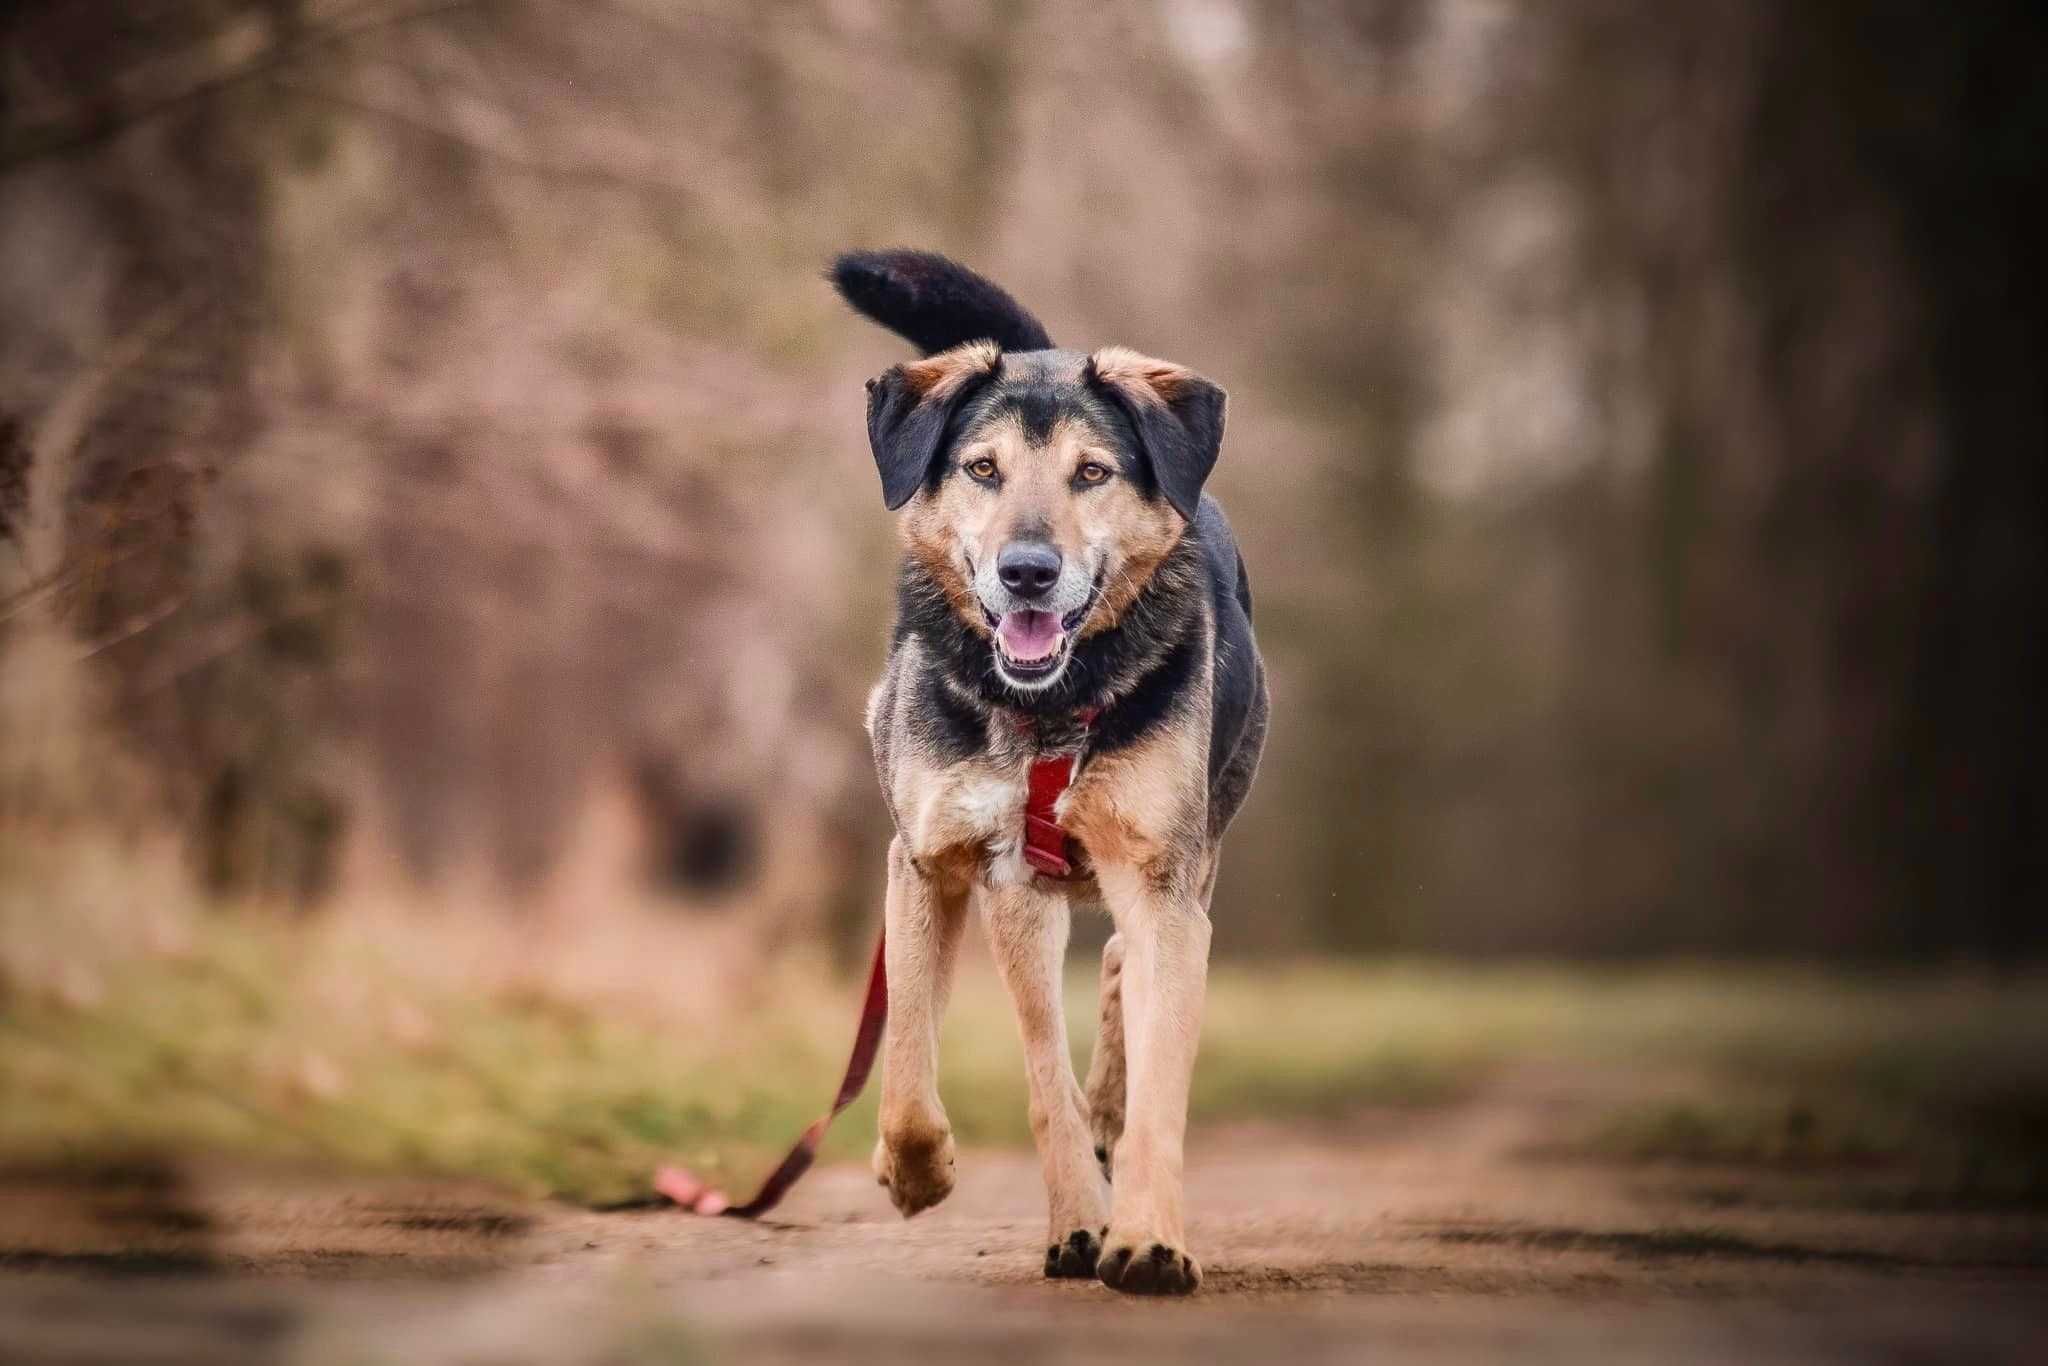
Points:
(1032, 641)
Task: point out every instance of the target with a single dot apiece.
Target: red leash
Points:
(698, 1198)
(1045, 849)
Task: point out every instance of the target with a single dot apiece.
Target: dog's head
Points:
(1041, 489)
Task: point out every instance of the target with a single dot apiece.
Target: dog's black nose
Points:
(1028, 568)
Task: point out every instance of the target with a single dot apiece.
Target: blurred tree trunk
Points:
(1949, 114)
(144, 139)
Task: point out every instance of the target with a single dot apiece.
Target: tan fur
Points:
(1141, 814)
(927, 532)
(914, 1157)
(935, 378)
(949, 817)
(1027, 934)
(961, 524)
(1146, 379)
(1144, 808)
(1163, 981)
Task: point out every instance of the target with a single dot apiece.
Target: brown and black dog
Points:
(1066, 588)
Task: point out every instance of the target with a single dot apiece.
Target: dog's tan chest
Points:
(965, 818)
(1140, 806)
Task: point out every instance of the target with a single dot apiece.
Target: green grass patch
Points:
(239, 1044)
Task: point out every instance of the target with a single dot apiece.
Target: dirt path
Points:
(1441, 1236)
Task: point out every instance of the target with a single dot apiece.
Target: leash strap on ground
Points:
(694, 1195)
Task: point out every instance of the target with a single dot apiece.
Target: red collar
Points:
(1046, 846)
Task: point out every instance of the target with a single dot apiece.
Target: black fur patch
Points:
(909, 434)
(1180, 438)
(1237, 699)
(1156, 696)
(933, 303)
(948, 725)
(1037, 408)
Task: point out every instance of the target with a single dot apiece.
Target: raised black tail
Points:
(934, 303)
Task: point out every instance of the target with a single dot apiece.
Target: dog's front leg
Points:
(923, 918)
(1164, 925)
(1027, 932)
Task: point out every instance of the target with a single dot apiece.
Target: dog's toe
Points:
(1155, 1270)
(1076, 1257)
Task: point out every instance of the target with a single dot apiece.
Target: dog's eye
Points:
(1092, 473)
(983, 468)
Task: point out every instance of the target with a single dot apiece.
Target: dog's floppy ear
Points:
(909, 407)
(1177, 415)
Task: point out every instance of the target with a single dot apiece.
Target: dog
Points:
(1069, 602)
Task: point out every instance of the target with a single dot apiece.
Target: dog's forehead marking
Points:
(1012, 426)
(1037, 409)
(1041, 413)
(1035, 389)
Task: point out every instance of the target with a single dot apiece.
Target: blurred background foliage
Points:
(431, 467)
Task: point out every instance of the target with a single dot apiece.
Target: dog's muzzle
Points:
(1033, 643)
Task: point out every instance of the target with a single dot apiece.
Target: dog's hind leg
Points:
(1027, 933)
(1106, 1085)
(923, 918)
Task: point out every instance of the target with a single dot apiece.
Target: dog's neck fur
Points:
(1107, 667)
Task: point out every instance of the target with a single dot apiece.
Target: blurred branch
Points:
(33, 593)
(87, 128)
(133, 627)
(587, 173)
(61, 429)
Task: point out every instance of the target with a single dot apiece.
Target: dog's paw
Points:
(1142, 1266)
(918, 1171)
(1074, 1258)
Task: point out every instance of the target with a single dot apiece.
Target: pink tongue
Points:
(1029, 634)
